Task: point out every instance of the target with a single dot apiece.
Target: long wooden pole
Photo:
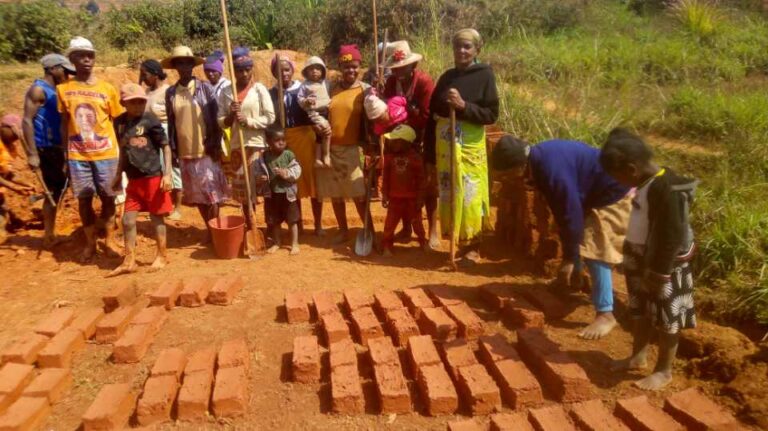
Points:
(452, 192)
(375, 36)
(280, 90)
(257, 238)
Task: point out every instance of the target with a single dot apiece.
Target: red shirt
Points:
(419, 94)
(403, 175)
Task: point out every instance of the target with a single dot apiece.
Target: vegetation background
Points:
(690, 75)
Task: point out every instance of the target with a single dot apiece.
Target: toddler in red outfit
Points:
(403, 186)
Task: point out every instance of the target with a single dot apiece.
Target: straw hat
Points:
(77, 44)
(181, 52)
(399, 54)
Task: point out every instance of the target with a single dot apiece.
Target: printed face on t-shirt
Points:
(85, 117)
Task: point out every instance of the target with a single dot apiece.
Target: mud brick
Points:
(366, 325)
(401, 326)
(58, 352)
(445, 295)
(355, 299)
(194, 292)
(386, 301)
(324, 303)
(155, 404)
(166, 294)
(383, 352)
(394, 396)
(297, 307)
(201, 361)
(25, 349)
(230, 392)
(437, 391)
(346, 391)
(534, 346)
(111, 409)
(151, 317)
(335, 327)
(641, 415)
(234, 353)
(457, 354)
(195, 395)
(13, 379)
(306, 359)
(470, 325)
(478, 390)
(224, 290)
(417, 300)
(114, 324)
(522, 314)
(519, 388)
(123, 295)
(51, 384)
(464, 425)
(133, 345)
(5, 402)
(552, 307)
(551, 418)
(437, 323)
(422, 352)
(86, 321)
(59, 319)
(566, 379)
(495, 294)
(495, 348)
(27, 413)
(170, 362)
(698, 412)
(342, 353)
(510, 422)
(593, 416)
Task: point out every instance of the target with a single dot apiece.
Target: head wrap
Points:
(374, 106)
(469, 34)
(214, 63)
(283, 59)
(241, 58)
(510, 152)
(154, 67)
(349, 53)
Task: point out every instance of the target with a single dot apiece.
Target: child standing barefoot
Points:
(657, 253)
(277, 174)
(314, 99)
(403, 186)
(141, 137)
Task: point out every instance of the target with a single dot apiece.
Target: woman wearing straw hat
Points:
(416, 86)
(195, 135)
(470, 90)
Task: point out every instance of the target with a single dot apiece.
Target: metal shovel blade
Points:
(363, 243)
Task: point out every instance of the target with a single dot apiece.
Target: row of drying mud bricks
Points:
(686, 410)
(530, 311)
(192, 384)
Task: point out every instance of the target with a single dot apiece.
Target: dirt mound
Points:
(716, 352)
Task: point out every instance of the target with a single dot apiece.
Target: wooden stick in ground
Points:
(280, 90)
(452, 192)
(375, 37)
(258, 243)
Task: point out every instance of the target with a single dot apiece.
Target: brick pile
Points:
(518, 312)
(196, 292)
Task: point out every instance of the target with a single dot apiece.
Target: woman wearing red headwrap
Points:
(349, 132)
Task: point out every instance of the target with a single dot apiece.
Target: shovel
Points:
(364, 240)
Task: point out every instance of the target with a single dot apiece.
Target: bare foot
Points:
(294, 250)
(327, 161)
(159, 263)
(434, 242)
(127, 267)
(630, 364)
(273, 249)
(319, 164)
(87, 254)
(175, 215)
(600, 327)
(387, 252)
(655, 381)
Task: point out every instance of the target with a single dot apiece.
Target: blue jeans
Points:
(602, 285)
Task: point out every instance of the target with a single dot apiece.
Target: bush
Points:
(39, 27)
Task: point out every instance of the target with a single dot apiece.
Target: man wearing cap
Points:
(42, 135)
(88, 107)
(195, 135)
(416, 86)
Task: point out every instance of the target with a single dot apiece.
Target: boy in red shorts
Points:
(142, 137)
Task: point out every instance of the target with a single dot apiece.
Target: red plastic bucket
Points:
(227, 233)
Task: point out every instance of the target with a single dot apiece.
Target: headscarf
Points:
(469, 34)
(273, 65)
(241, 58)
(349, 53)
(214, 63)
(153, 66)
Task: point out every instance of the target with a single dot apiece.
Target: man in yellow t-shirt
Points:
(88, 106)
